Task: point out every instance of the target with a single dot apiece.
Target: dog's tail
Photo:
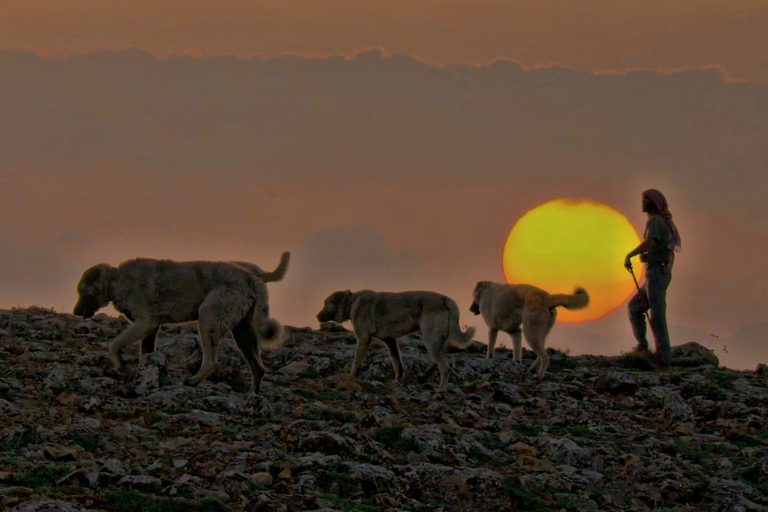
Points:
(270, 333)
(579, 299)
(456, 337)
(276, 275)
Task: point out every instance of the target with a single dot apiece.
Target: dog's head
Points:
(336, 307)
(476, 294)
(93, 290)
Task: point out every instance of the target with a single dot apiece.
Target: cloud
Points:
(378, 119)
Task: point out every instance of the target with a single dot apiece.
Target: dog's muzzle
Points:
(474, 308)
(83, 310)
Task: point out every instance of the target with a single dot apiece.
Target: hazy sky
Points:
(401, 168)
(589, 35)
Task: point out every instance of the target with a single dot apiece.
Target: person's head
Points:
(654, 202)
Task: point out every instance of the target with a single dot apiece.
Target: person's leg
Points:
(658, 281)
(637, 307)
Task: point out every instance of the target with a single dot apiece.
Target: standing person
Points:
(657, 251)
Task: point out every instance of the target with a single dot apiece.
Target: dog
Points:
(148, 343)
(505, 307)
(221, 297)
(387, 316)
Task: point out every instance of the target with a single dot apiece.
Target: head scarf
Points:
(675, 243)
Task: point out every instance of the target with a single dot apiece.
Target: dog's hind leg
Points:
(148, 343)
(517, 343)
(435, 334)
(133, 334)
(218, 314)
(492, 334)
(536, 325)
(394, 354)
(248, 343)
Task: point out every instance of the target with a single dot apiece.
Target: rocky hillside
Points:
(597, 433)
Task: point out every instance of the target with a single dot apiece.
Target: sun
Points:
(567, 243)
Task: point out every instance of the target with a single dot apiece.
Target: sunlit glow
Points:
(566, 243)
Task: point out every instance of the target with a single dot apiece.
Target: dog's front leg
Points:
(394, 354)
(517, 343)
(363, 343)
(133, 334)
(492, 334)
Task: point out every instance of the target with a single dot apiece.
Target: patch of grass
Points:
(526, 429)
(135, 501)
(743, 440)
(636, 361)
(581, 431)
(359, 505)
(698, 454)
(332, 394)
(49, 474)
(753, 476)
(306, 393)
(254, 487)
(491, 441)
(564, 501)
(116, 414)
(329, 414)
(335, 475)
(392, 438)
(478, 454)
(176, 409)
(19, 438)
(519, 495)
(724, 379)
(88, 443)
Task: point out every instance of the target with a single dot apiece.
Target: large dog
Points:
(506, 306)
(388, 316)
(221, 297)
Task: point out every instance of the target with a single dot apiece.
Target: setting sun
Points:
(566, 243)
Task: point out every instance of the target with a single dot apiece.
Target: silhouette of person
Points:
(657, 251)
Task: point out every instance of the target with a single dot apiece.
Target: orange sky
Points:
(384, 170)
(587, 35)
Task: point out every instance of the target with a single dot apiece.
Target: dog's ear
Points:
(346, 302)
(479, 289)
(95, 277)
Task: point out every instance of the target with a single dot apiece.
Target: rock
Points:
(327, 443)
(508, 394)
(522, 448)
(152, 374)
(263, 479)
(144, 483)
(616, 382)
(332, 327)
(62, 454)
(49, 506)
(563, 450)
(694, 354)
(296, 369)
(675, 410)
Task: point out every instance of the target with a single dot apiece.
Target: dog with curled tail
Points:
(505, 307)
(222, 297)
(387, 316)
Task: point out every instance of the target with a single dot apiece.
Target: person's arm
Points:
(645, 246)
